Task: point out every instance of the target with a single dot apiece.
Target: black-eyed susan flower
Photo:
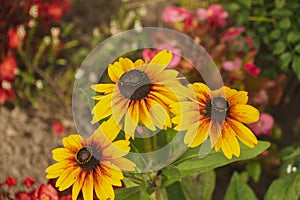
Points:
(141, 92)
(90, 165)
(219, 115)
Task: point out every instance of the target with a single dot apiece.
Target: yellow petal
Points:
(127, 64)
(215, 132)
(226, 148)
(73, 142)
(116, 149)
(190, 134)
(103, 88)
(163, 58)
(102, 109)
(138, 62)
(103, 189)
(115, 71)
(110, 128)
(202, 133)
(242, 132)
(68, 179)
(131, 120)
(159, 116)
(230, 137)
(244, 113)
(237, 97)
(145, 116)
(111, 175)
(60, 154)
(78, 185)
(87, 188)
(124, 164)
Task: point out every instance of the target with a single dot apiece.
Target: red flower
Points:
(58, 128)
(13, 38)
(8, 68)
(69, 197)
(252, 69)
(56, 9)
(10, 181)
(22, 196)
(28, 182)
(6, 95)
(46, 192)
(214, 14)
(264, 125)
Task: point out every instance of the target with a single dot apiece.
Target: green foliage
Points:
(132, 193)
(253, 169)
(238, 189)
(190, 163)
(274, 26)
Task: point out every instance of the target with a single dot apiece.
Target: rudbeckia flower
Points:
(141, 92)
(219, 115)
(90, 165)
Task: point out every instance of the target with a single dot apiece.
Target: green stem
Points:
(157, 191)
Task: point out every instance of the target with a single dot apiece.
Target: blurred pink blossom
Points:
(178, 14)
(264, 125)
(232, 65)
(214, 14)
(176, 58)
(233, 32)
(261, 97)
(249, 41)
(252, 69)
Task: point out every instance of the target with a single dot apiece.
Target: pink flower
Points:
(252, 69)
(46, 192)
(13, 38)
(6, 94)
(264, 125)
(22, 196)
(233, 32)
(28, 181)
(8, 68)
(10, 181)
(178, 14)
(249, 41)
(176, 58)
(58, 128)
(214, 14)
(232, 65)
(261, 97)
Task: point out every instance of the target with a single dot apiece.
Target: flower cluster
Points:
(148, 94)
(19, 22)
(228, 46)
(31, 192)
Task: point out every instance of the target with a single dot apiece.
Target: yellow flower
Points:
(219, 114)
(90, 165)
(141, 92)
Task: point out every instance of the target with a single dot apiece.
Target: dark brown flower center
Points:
(217, 109)
(134, 85)
(88, 158)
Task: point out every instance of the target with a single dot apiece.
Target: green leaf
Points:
(297, 48)
(275, 34)
(285, 23)
(293, 37)
(190, 163)
(279, 47)
(286, 187)
(285, 60)
(296, 66)
(282, 12)
(238, 189)
(279, 3)
(232, 7)
(132, 193)
(254, 170)
(246, 3)
(208, 182)
(170, 175)
(175, 191)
